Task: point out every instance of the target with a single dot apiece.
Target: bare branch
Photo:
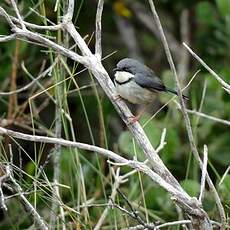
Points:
(3, 178)
(28, 207)
(206, 222)
(117, 181)
(209, 117)
(69, 15)
(204, 172)
(69, 26)
(225, 85)
(190, 205)
(47, 71)
(46, 42)
(225, 122)
(162, 142)
(38, 27)
(18, 14)
(225, 174)
(7, 17)
(7, 38)
(179, 222)
(98, 48)
(94, 65)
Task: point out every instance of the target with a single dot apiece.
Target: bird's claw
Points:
(133, 119)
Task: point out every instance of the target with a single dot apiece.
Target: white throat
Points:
(122, 76)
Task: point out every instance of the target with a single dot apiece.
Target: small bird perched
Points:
(137, 83)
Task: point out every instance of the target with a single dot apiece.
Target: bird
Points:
(137, 83)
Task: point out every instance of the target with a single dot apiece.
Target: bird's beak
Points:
(115, 69)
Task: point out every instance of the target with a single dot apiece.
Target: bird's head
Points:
(128, 65)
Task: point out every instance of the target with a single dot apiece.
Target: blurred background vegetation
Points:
(128, 31)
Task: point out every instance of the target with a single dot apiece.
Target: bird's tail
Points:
(175, 92)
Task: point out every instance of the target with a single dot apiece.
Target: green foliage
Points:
(89, 117)
(224, 7)
(205, 13)
(224, 189)
(191, 187)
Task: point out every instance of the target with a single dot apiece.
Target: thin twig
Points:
(117, 181)
(38, 27)
(186, 118)
(70, 10)
(162, 141)
(189, 204)
(7, 17)
(18, 14)
(204, 172)
(179, 222)
(7, 38)
(94, 65)
(225, 85)
(27, 205)
(98, 48)
(133, 212)
(205, 222)
(3, 178)
(225, 174)
(43, 74)
(46, 42)
(225, 122)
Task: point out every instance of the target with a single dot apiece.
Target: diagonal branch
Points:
(98, 49)
(204, 172)
(7, 17)
(40, 223)
(47, 43)
(7, 38)
(185, 115)
(97, 69)
(224, 84)
(18, 14)
(190, 205)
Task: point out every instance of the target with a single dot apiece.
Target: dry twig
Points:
(205, 223)
(224, 84)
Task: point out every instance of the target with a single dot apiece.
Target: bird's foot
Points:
(133, 119)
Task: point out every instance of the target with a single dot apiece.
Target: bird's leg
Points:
(134, 119)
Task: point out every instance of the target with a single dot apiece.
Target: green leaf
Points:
(191, 187)
(224, 7)
(225, 189)
(128, 146)
(153, 130)
(205, 13)
(219, 149)
(156, 198)
(30, 168)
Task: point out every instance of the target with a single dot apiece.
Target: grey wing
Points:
(151, 83)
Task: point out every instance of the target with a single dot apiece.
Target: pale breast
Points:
(134, 93)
